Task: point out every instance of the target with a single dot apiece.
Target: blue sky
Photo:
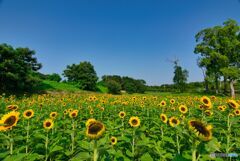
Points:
(125, 37)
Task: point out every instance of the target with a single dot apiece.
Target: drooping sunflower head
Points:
(12, 107)
(134, 121)
(206, 101)
(28, 114)
(201, 130)
(95, 129)
(53, 115)
(9, 120)
(89, 121)
(233, 104)
(122, 114)
(183, 109)
(173, 121)
(48, 124)
(164, 118)
(208, 112)
(113, 140)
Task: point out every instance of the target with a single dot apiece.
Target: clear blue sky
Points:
(124, 37)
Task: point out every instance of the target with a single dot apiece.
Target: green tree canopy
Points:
(180, 77)
(83, 74)
(17, 68)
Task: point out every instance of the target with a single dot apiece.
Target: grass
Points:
(47, 85)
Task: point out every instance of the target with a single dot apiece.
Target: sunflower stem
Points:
(27, 140)
(95, 151)
(228, 134)
(194, 150)
(11, 142)
(133, 143)
(178, 145)
(72, 135)
(46, 147)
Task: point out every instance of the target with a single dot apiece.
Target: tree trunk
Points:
(225, 85)
(216, 84)
(232, 88)
(206, 85)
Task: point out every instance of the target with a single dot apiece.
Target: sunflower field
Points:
(79, 127)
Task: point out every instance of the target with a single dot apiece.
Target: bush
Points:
(113, 87)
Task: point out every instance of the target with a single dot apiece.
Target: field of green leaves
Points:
(105, 127)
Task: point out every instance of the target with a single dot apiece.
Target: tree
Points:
(83, 74)
(113, 87)
(17, 69)
(231, 73)
(219, 49)
(180, 77)
(54, 77)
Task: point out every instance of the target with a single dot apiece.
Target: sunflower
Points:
(9, 120)
(90, 121)
(48, 124)
(173, 121)
(183, 109)
(28, 114)
(164, 118)
(73, 114)
(113, 140)
(53, 115)
(13, 107)
(122, 114)
(233, 104)
(95, 129)
(204, 132)
(221, 108)
(206, 102)
(65, 112)
(162, 103)
(172, 101)
(91, 112)
(237, 112)
(208, 112)
(134, 121)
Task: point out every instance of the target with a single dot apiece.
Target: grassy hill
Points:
(47, 85)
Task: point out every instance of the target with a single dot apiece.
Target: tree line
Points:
(218, 48)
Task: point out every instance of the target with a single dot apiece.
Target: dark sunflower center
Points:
(205, 101)
(28, 113)
(200, 128)
(122, 114)
(53, 115)
(48, 124)
(163, 118)
(232, 104)
(174, 121)
(73, 114)
(95, 128)
(10, 121)
(134, 122)
(113, 140)
(183, 109)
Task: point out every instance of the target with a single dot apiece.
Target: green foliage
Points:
(54, 77)
(130, 85)
(82, 74)
(180, 78)
(219, 48)
(17, 68)
(113, 87)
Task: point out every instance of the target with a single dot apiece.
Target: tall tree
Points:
(83, 74)
(180, 77)
(17, 68)
(219, 49)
